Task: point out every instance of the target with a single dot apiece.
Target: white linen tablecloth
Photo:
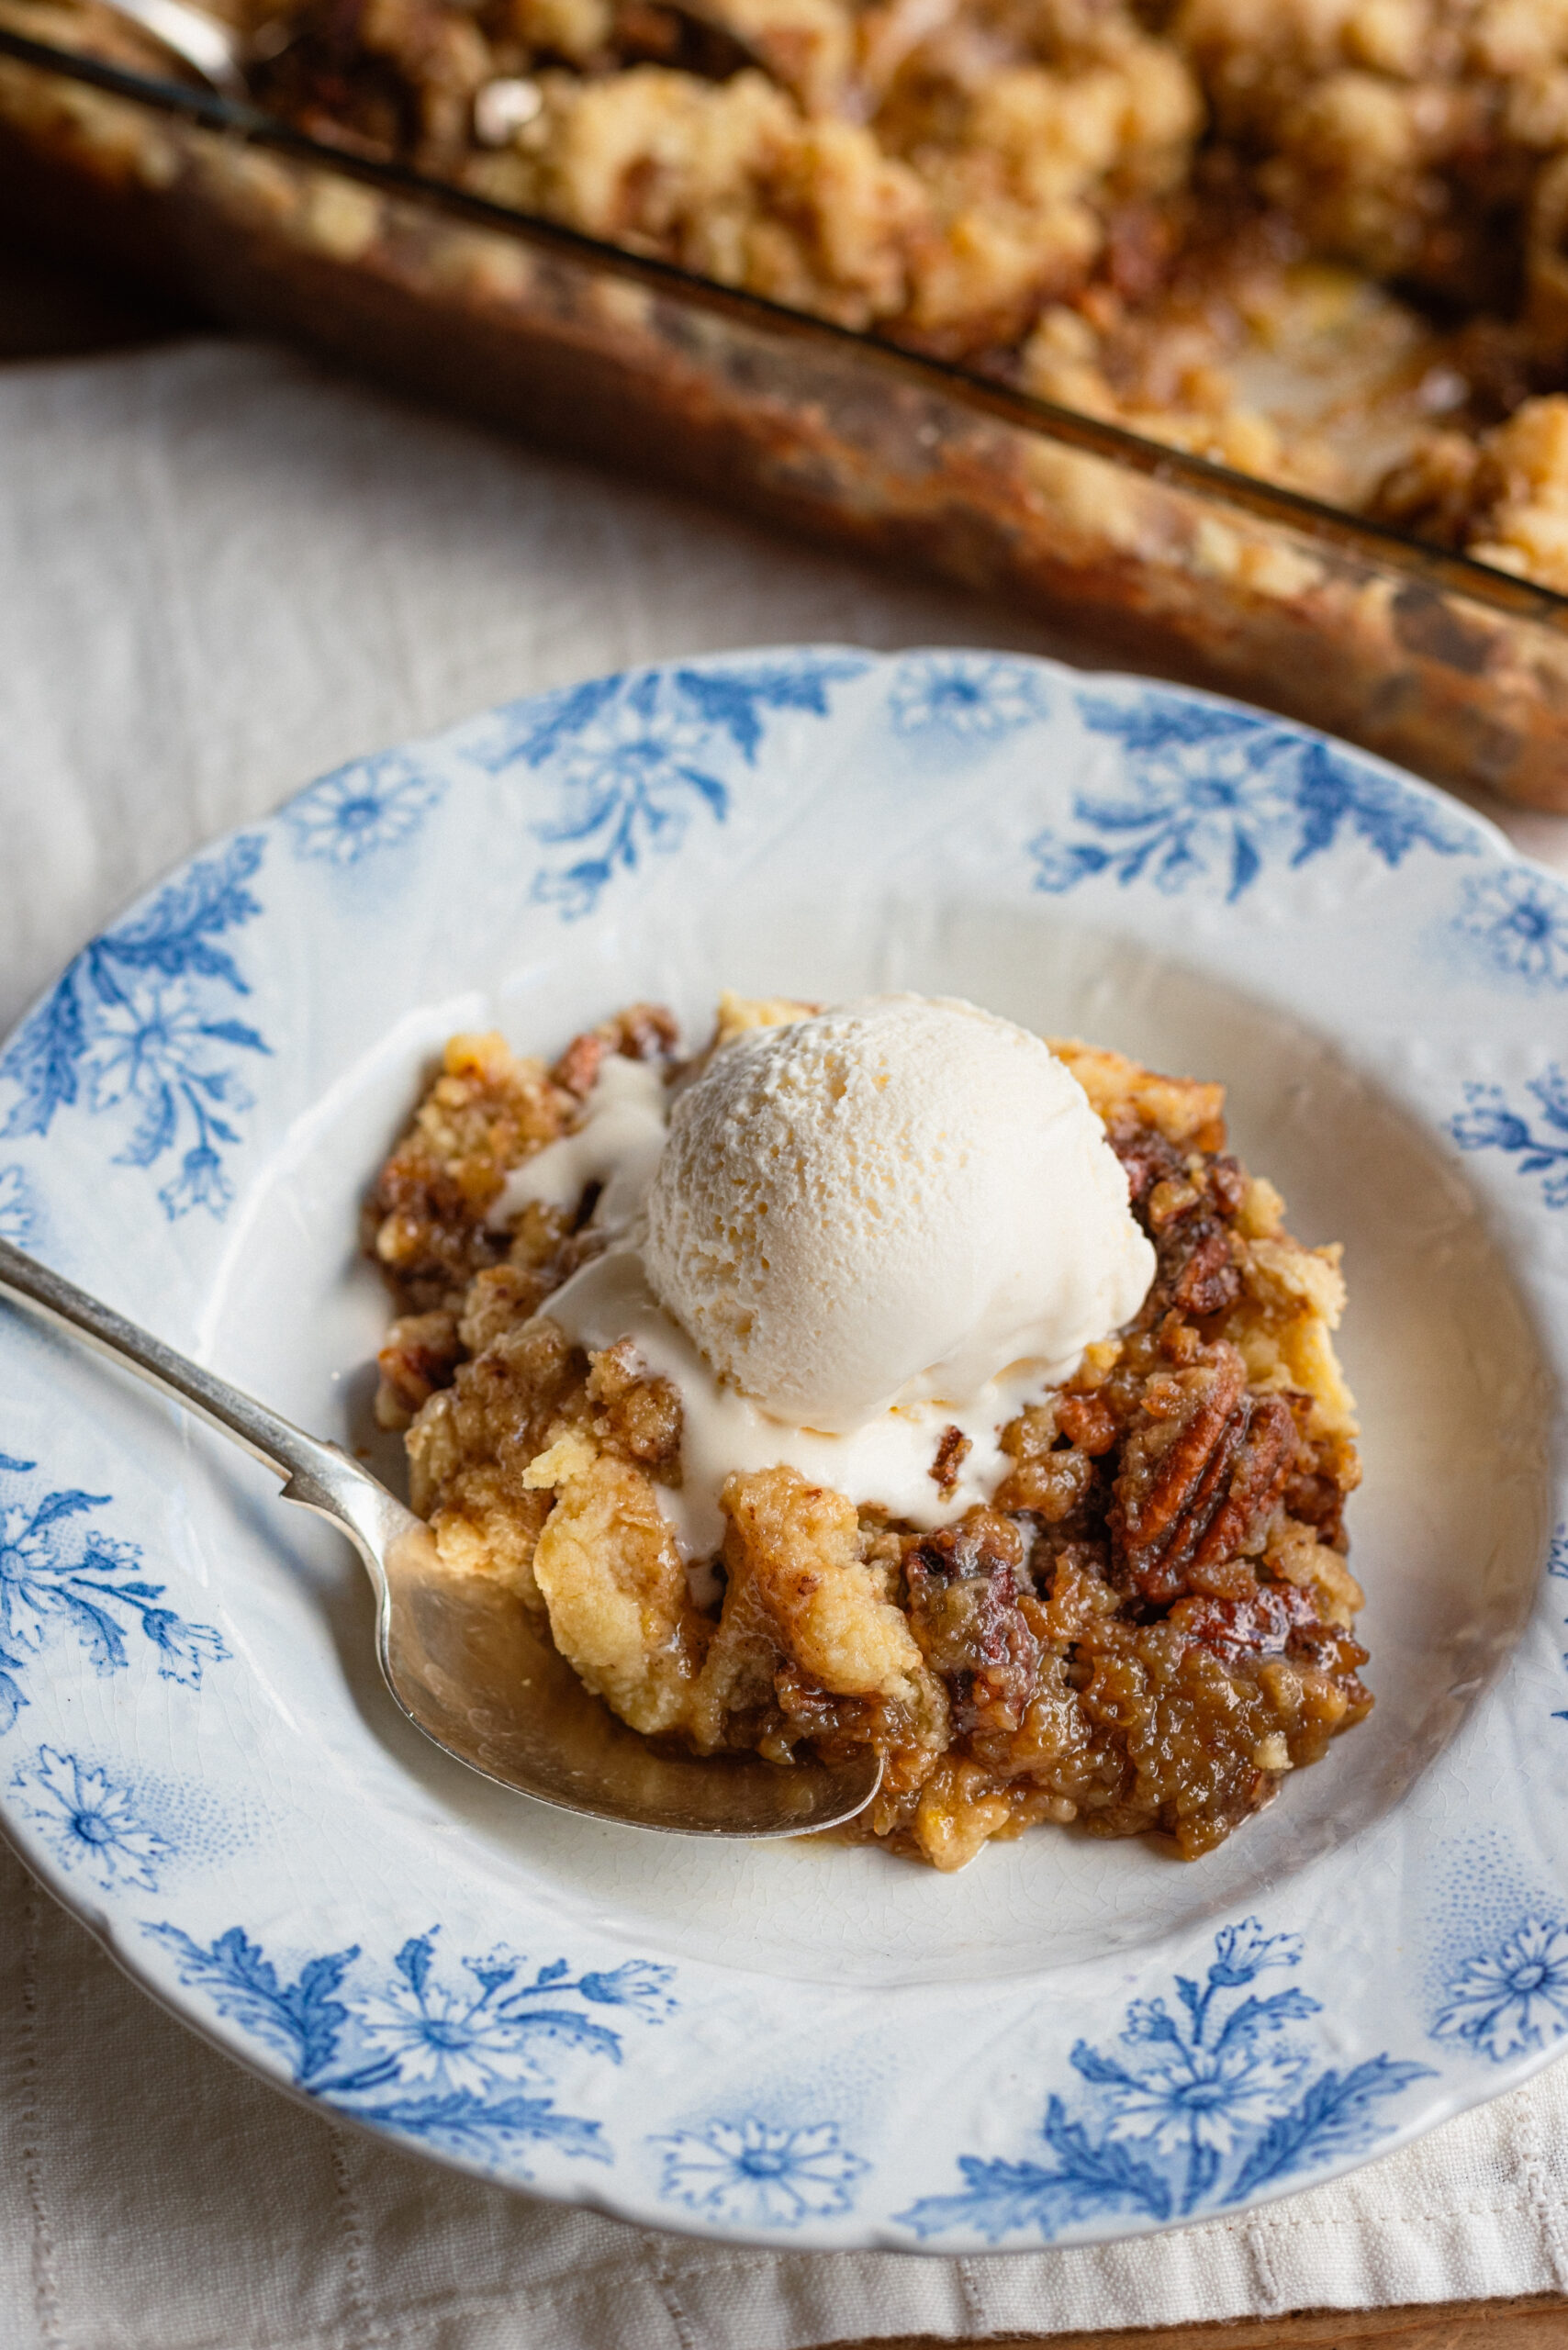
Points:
(221, 573)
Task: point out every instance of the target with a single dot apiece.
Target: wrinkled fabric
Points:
(221, 573)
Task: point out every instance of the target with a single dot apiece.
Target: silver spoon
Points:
(460, 1656)
(208, 46)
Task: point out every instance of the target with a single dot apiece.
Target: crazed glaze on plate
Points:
(803, 2043)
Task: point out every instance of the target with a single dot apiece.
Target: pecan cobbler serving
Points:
(886, 1376)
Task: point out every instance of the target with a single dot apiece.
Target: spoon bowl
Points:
(210, 47)
(459, 1653)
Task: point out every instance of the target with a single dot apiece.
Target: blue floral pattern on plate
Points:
(59, 1577)
(1215, 2095)
(136, 1026)
(1512, 1998)
(1487, 1123)
(89, 1822)
(453, 2059)
(17, 1214)
(1520, 917)
(631, 760)
(759, 2174)
(373, 804)
(1211, 795)
(965, 698)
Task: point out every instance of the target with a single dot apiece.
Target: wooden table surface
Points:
(49, 310)
(1536, 2322)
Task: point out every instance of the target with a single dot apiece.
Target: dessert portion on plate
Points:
(885, 1375)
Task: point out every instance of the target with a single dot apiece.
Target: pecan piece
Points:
(1146, 1156)
(1184, 1205)
(1088, 1421)
(1267, 1456)
(1200, 1486)
(576, 1071)
(1319, 1503)
(1176, 1471)
(1206, 1279)
(965, 1585)
(644, 1031)
(951, 1454)
(1277, 1620)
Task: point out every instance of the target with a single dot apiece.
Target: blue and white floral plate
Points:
(803, 2043)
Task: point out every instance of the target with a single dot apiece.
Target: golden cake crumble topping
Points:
(1147, 1625)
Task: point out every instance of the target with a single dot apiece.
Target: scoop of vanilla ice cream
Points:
(891, 1202)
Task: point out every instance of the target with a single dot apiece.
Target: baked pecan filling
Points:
(1146, 1628)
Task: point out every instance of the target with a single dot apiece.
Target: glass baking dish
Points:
(1167, 560)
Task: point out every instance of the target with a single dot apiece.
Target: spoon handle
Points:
(319, 1476)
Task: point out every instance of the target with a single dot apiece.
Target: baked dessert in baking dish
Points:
(1321, 241)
